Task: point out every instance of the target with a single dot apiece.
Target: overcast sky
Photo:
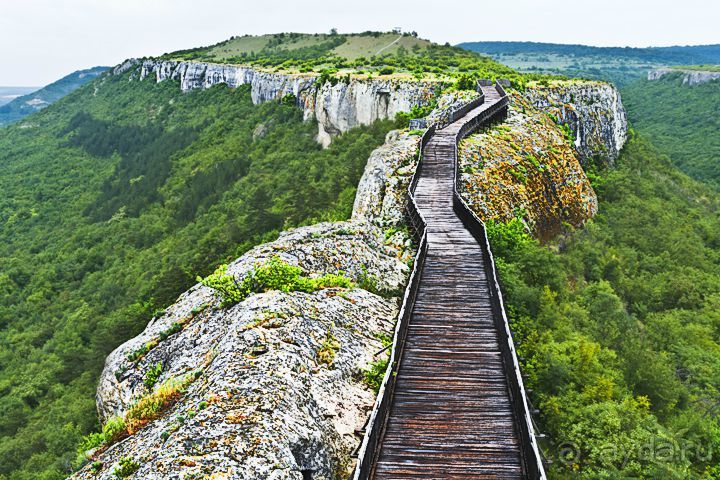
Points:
(42, 40)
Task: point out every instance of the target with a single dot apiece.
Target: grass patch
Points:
(328, 349)
(275, 274)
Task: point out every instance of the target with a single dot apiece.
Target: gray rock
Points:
(594, 112)
(689, 77)
(382, 191)
(264, 405)
(337, 108)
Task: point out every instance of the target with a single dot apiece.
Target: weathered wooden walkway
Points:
(451, 414)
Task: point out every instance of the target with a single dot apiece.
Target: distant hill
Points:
(618, 64)
(8, 94)
(27, 103)
(681, 120)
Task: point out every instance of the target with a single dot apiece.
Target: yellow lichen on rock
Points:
(526, 167)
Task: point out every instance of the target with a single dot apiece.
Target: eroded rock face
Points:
(526, 168)
(382, 191)
(689, 77)
(593, 111)
(266, 403)
(337, 108)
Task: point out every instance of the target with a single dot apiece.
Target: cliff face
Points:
(529, 167)
(337, 107)
(689, 77)
(274, 383)
(593, 111)
(382, 191)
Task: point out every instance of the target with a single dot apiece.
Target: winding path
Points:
(451, 410)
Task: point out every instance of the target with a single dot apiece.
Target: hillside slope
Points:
(621, 65)
(617, 325)
(680, 119)
(25, 105)
(115, 198)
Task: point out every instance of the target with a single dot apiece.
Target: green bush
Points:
(466, 82)
(373, 376)
(126, 467)
(152, 375)
(275, 274)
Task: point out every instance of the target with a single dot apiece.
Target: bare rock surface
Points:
(592, 110)
(337, 106)
(382, 191)
(265, 402)
(689, 77)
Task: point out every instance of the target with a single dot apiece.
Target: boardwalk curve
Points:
(452, 404)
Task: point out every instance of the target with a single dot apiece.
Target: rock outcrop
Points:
(593, 111)
(689, 77)
(527, 168)
(276, 384)
(337, 106)
(382, 191)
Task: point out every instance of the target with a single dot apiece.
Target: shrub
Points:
(275, 274)
(466, 82)
(126, 467)
(151, 406)
(152, 375)
(373, 376)
(289, 99)
(226, 285)
(114, 430)
(387, 71)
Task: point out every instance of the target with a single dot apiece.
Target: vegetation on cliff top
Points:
(618, 326)
(368, 53)
(114, 199)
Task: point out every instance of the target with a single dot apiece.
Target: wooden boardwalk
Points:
(451, 416)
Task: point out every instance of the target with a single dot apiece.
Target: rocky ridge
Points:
(263, 401)
(592, 110)
(531, 166)
(337, 106)
(689, 77)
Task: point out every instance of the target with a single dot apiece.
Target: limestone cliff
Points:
(271, 387)
(689, 77)
(531, 166)
(337, 106)
(592, 110)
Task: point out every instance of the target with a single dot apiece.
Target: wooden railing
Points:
(369, 448)
(374, 429)
(533, 464)
(460, 112)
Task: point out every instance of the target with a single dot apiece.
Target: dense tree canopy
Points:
(683, 121)
(618, 326)
(113, 201)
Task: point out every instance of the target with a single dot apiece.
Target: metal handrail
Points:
(533, 463)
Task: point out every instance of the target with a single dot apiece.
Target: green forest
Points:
(114, 200)
(618, 329)
(683, 121)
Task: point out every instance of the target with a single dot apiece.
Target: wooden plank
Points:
(451, 415)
